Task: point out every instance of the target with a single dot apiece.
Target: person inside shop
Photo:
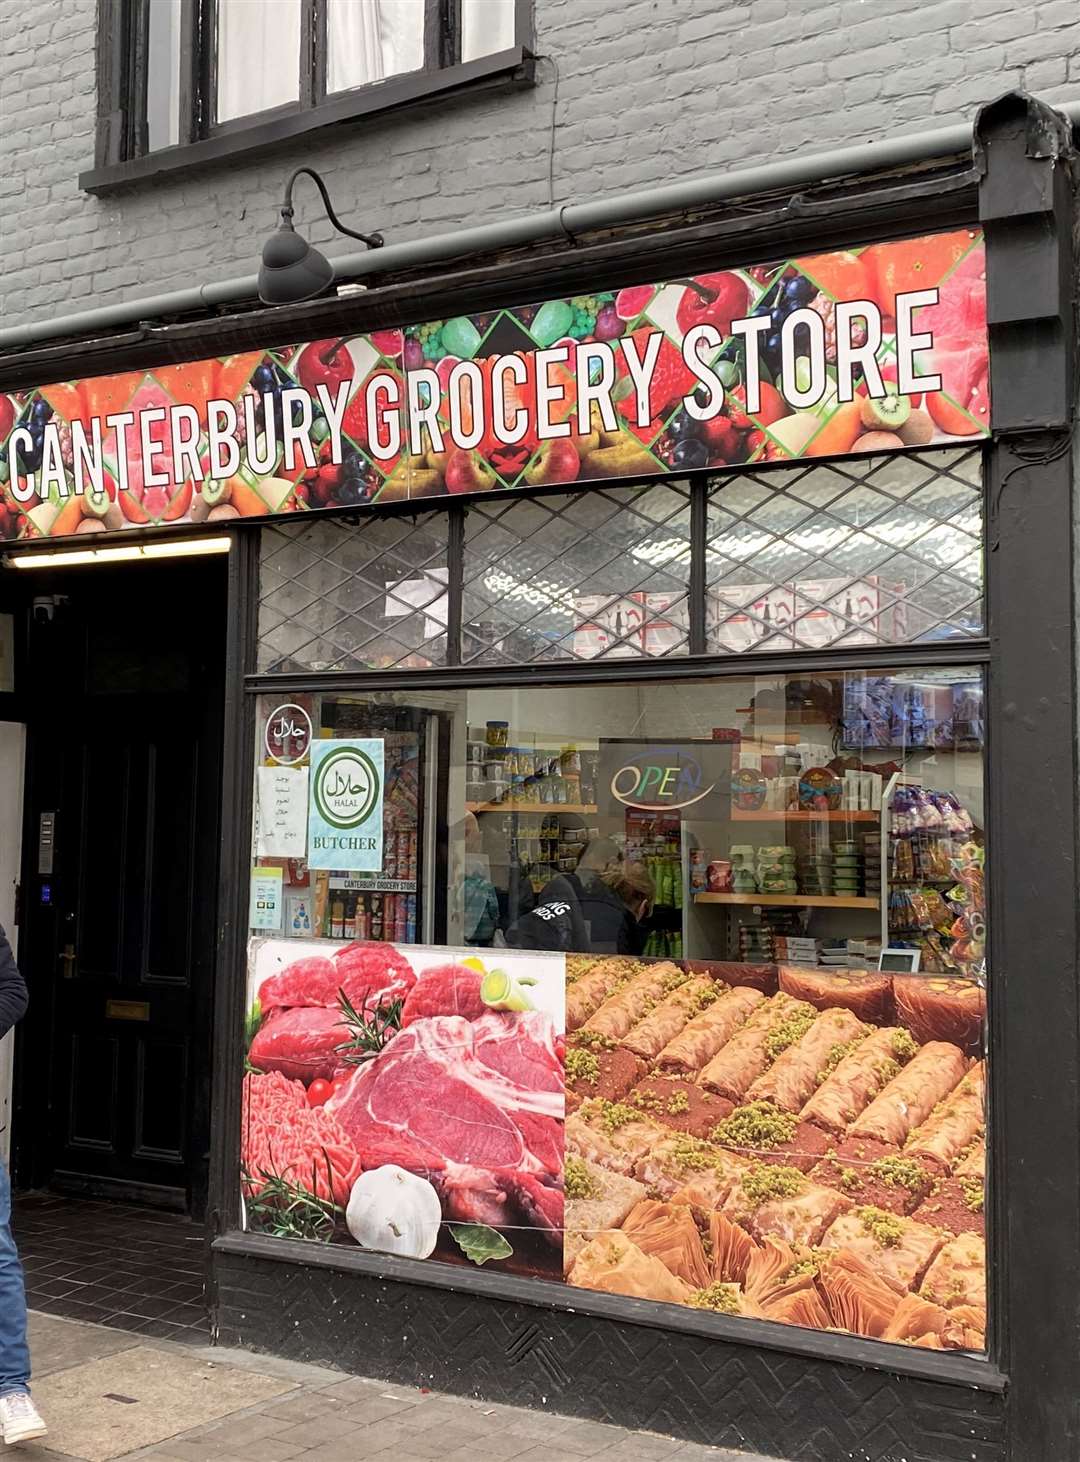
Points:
(19, 1418)
(481, 901)
(602, 907)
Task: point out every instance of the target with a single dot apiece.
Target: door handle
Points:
(68, 959)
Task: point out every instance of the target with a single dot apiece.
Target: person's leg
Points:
(14, 1348)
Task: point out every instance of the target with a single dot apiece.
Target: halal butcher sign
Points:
(345, 813)
(876, 349)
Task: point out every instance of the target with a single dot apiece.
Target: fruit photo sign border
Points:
(855, 351)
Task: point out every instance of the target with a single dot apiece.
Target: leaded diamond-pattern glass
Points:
(885, 550)
(353, 594)
(593, 575)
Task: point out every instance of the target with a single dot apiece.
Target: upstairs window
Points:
(222, 74)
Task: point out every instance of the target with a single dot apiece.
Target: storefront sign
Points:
(855, 351)
(345, 811)
(287, 735)
(654, 778)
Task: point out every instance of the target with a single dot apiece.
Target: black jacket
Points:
(579, 913)
(13, 997)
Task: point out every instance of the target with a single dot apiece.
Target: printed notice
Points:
(283, 812)
(345, 816)
(266, 898)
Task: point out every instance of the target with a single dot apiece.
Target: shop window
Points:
(353, 595)
(882, 551)
(589, 576)
(179, 72)
(674, 991)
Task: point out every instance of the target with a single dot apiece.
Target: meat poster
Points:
(881, 348)
(800, 1146)
(407, 1100)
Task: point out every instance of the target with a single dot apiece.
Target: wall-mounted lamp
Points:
(291, 269)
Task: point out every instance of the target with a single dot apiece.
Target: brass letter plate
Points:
(127, 1010)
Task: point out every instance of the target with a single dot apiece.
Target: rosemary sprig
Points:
(367, 1037)
(285, 1209)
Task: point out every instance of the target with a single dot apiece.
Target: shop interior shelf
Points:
(541, 809)
(789, 900)
(766, 814)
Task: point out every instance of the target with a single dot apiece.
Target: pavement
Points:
(106, 1394)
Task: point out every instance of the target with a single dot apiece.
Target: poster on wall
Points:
(407, 1100)
(787, 1144)
(345, 805)
(876, 349)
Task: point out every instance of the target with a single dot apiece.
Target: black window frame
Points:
(122, 152)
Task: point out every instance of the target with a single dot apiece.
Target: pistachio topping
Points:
(724, 1298)
(789, 1030)
(579, 1181)
(582, 1066)
(885, 1228)
(900, 1172)
(758, 1124)
(764, 1181)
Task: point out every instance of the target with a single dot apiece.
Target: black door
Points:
(119, 890)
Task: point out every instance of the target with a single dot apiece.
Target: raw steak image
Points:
(446, 990)
(370, 974)
(435, 1103)
(521, 1048)
(300, 1043)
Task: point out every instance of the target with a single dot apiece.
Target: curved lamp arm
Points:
(373, 241)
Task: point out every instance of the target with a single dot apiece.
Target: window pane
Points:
(883, 551)
(163, 75)
(366, 594)
(589, 576)
(487, 27)
(258, 56)
(678, 987)
(369, 40)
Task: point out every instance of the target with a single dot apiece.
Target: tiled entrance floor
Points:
(129, 1268)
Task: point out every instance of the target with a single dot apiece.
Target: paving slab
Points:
(106, 1396)
(57, 1344)
(114, 1404)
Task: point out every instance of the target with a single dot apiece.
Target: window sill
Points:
(514, 69)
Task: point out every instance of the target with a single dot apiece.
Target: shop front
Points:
(630, 774)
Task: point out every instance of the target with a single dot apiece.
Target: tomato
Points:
(319, 1092)
(341, 1080)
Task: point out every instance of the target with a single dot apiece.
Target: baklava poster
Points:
(748, 1140)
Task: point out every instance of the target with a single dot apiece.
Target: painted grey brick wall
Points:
(647, 90)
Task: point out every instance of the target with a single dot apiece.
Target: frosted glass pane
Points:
(487, 26)
(258, 56)
(163, 75)
(369, 40)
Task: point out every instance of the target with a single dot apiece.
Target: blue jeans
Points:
(14, 1348)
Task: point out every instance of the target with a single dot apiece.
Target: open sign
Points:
(661, 779)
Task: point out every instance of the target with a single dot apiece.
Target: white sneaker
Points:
(19, 1419)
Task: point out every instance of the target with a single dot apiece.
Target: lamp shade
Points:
(291, 270)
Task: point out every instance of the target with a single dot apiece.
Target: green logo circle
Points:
(346, 788)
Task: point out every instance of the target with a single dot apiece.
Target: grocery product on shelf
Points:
(936, 897)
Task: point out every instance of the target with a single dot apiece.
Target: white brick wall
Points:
(648, 90)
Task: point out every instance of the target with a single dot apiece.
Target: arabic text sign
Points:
(345, 808)
(875, 349)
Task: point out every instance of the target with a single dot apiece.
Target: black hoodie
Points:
(13, 997)
(578, 912)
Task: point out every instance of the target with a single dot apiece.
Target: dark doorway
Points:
(125, 672)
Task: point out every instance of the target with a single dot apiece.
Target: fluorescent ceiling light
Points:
(67, 558)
